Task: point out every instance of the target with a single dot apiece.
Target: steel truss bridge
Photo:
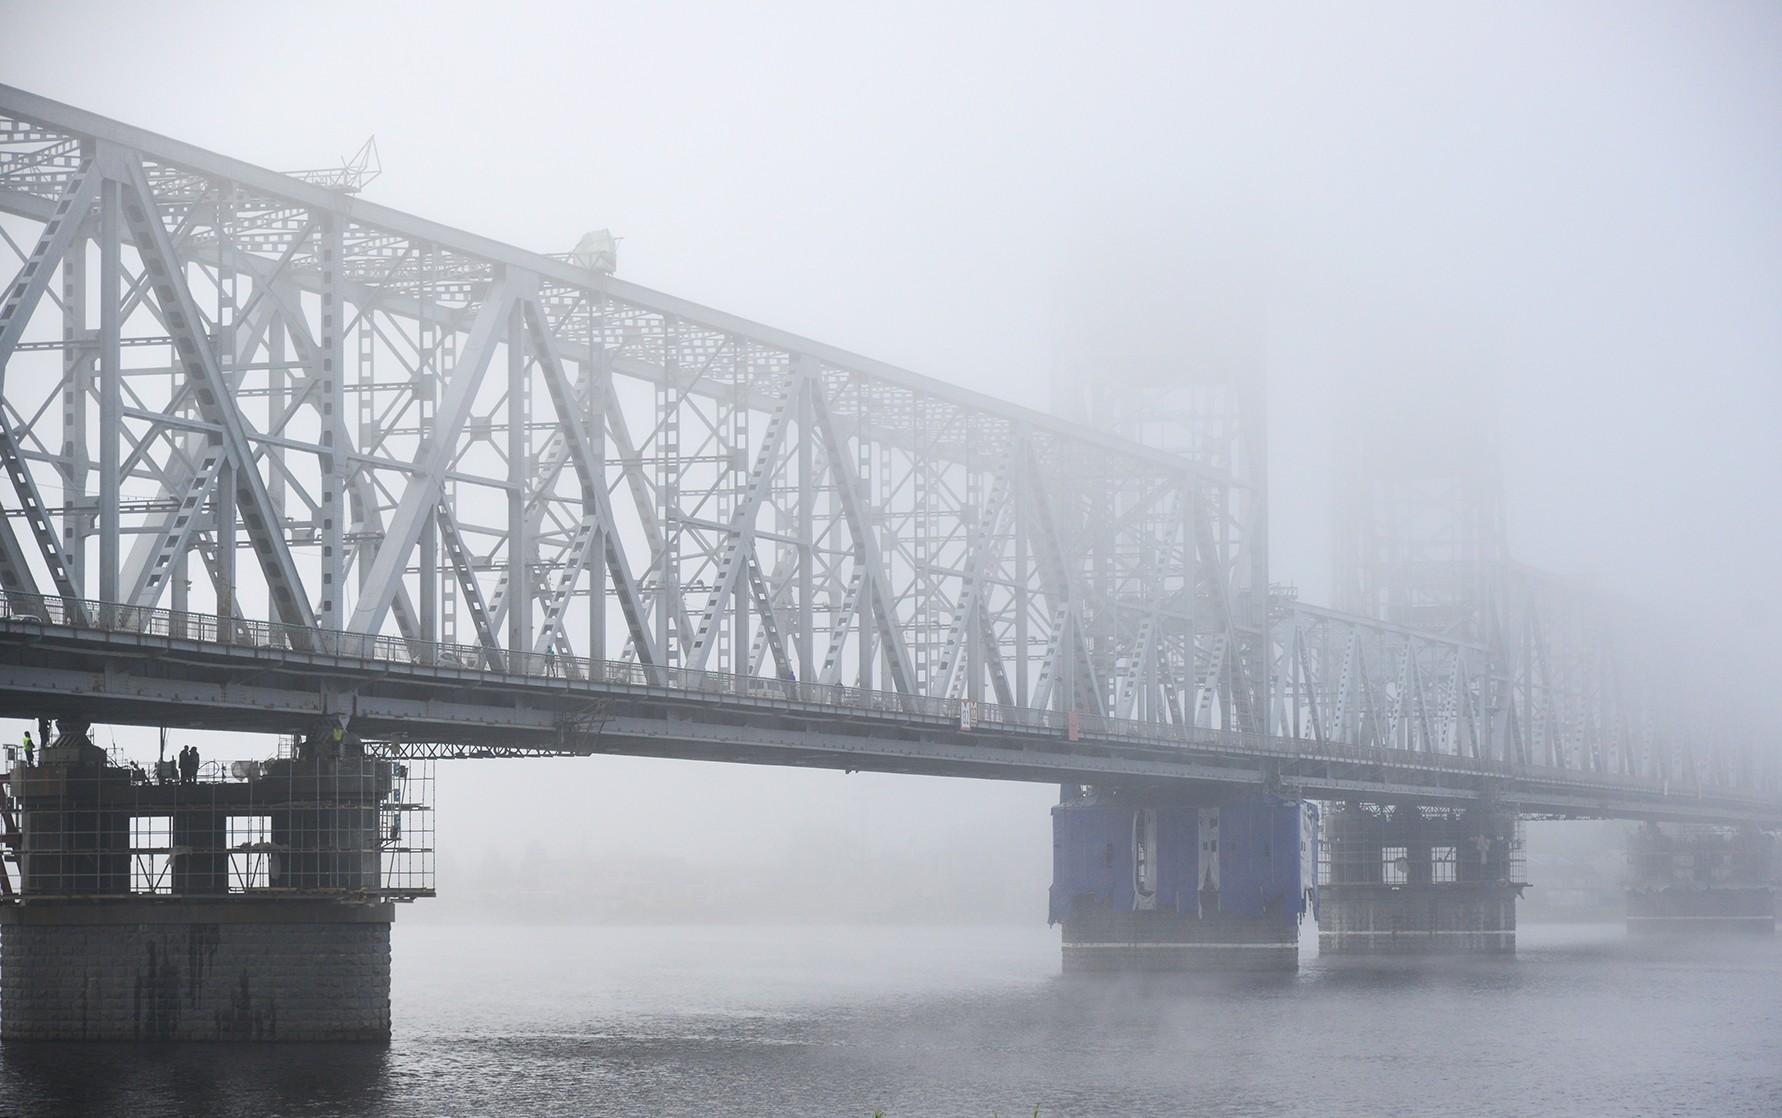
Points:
(276, 455)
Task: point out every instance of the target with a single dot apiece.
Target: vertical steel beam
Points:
(111, 378)
(331, 397)
(805, 384)
(870, 501)
(429, 568)
(223, 511)
(519, 472)
(667, 510)
(1023, 599)
(594, 398)
(78, 355)
(431, 370)
(277, 394)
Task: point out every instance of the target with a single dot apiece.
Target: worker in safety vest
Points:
(30, 748)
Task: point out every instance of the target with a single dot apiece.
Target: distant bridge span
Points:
(492, 501)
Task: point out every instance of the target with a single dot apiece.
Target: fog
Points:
(1558, 223)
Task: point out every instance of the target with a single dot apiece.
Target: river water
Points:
(845, 1021)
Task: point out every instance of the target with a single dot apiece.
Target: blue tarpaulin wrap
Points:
(1265, 847)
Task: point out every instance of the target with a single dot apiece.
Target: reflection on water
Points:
(760, 1021)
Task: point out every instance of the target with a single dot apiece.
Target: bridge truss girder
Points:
(416, 430)
(420, 433)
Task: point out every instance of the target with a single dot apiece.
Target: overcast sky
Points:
(1563, 215)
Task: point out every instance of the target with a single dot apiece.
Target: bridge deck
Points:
(153, 667)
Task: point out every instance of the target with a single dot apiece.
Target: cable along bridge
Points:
(280, 459)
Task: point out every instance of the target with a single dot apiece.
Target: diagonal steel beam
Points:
(839, 628)
(569, 570)
(742, 527)
(992, 646)
(463, 565)
(27, 288)
(426, 488)
(180, 311)
(1060, 586)
(15, 574)
(766, 613)
(164, 547)
(631, 468)
(37, 516)
(866, 544)
(591, 473)
(1135, 680)
(970, 605)
(188, 479)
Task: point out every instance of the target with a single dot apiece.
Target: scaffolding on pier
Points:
(1401, 845)
(318, 819)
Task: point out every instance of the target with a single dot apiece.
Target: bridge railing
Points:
(578, 670)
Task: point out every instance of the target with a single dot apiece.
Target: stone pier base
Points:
(1163, 941)
(1417, 920)
(174, 969)
(1409, 880)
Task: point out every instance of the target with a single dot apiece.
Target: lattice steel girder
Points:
(1120, 577)
(271, 229)
(1365, 682)
(478, 256)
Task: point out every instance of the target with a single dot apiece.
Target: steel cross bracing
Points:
(419, 432)
(244, 396)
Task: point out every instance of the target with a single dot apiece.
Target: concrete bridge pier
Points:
(1698, 879)
(1402, 879)
(244, 909)
(1212, 883)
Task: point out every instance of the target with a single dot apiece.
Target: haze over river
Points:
(978, 1021)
